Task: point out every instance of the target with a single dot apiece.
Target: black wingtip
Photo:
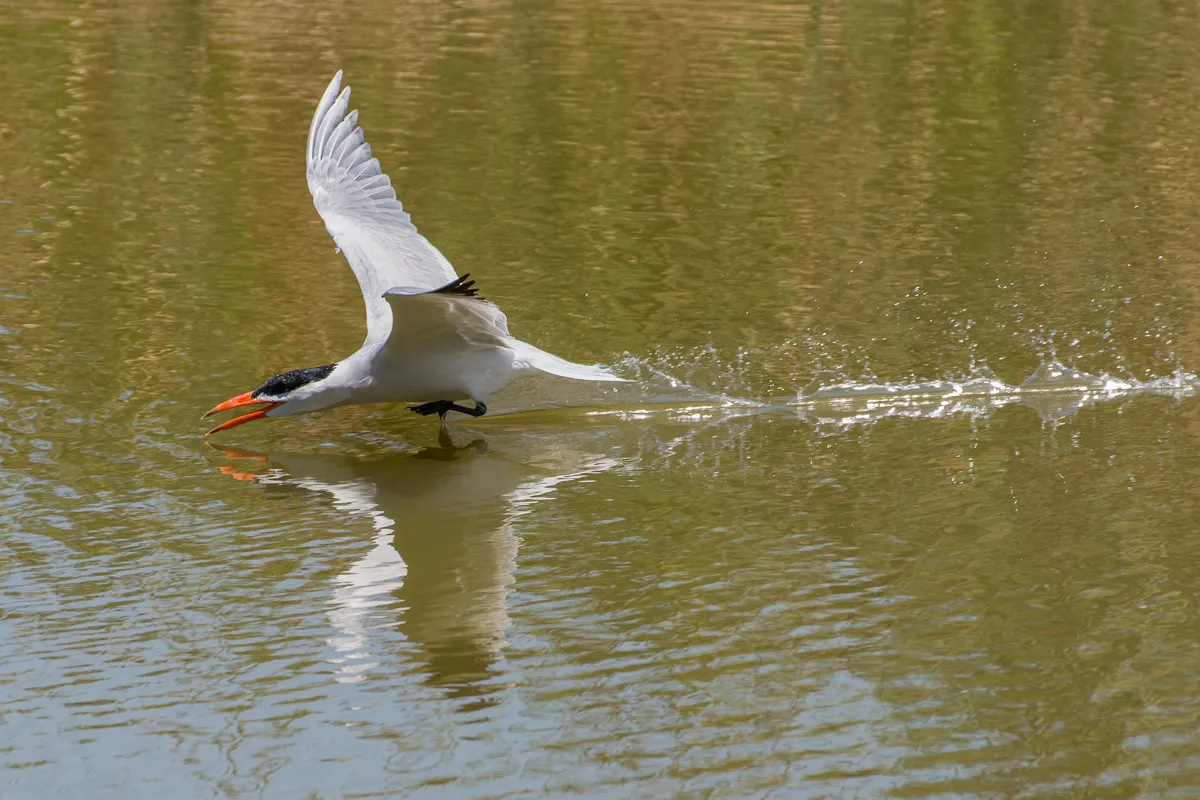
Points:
(459, 286)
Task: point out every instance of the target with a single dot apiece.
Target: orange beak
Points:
(238, 402)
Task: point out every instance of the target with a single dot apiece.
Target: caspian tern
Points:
(431, 339)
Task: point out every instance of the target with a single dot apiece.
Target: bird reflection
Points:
(444, 551)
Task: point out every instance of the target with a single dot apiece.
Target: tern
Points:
(431, 339)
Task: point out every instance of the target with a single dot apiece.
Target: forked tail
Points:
(552, 364)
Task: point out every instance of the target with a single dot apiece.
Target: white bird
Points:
(431, 339)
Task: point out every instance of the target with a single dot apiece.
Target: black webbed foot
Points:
(439, 407)
(442, 407)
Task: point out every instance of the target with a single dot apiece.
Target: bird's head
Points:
(291, 392)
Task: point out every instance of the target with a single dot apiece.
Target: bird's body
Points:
(431, 339)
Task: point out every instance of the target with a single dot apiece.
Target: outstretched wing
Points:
(429, 321)
(356, 200)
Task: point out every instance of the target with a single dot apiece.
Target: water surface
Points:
(901, 502)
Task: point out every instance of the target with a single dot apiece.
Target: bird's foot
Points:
(442, 407)
(439, 407)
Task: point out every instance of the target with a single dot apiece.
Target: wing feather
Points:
(429, 318)
(356, 200)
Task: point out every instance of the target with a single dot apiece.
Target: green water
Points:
(903, 501)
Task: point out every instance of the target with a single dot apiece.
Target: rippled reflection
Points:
(444, 552)
(944, 252)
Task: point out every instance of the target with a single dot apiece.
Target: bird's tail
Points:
(552, 364)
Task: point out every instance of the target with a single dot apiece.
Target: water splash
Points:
(1054, 390)
(704, 383)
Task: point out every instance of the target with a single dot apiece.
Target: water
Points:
(901, 501)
